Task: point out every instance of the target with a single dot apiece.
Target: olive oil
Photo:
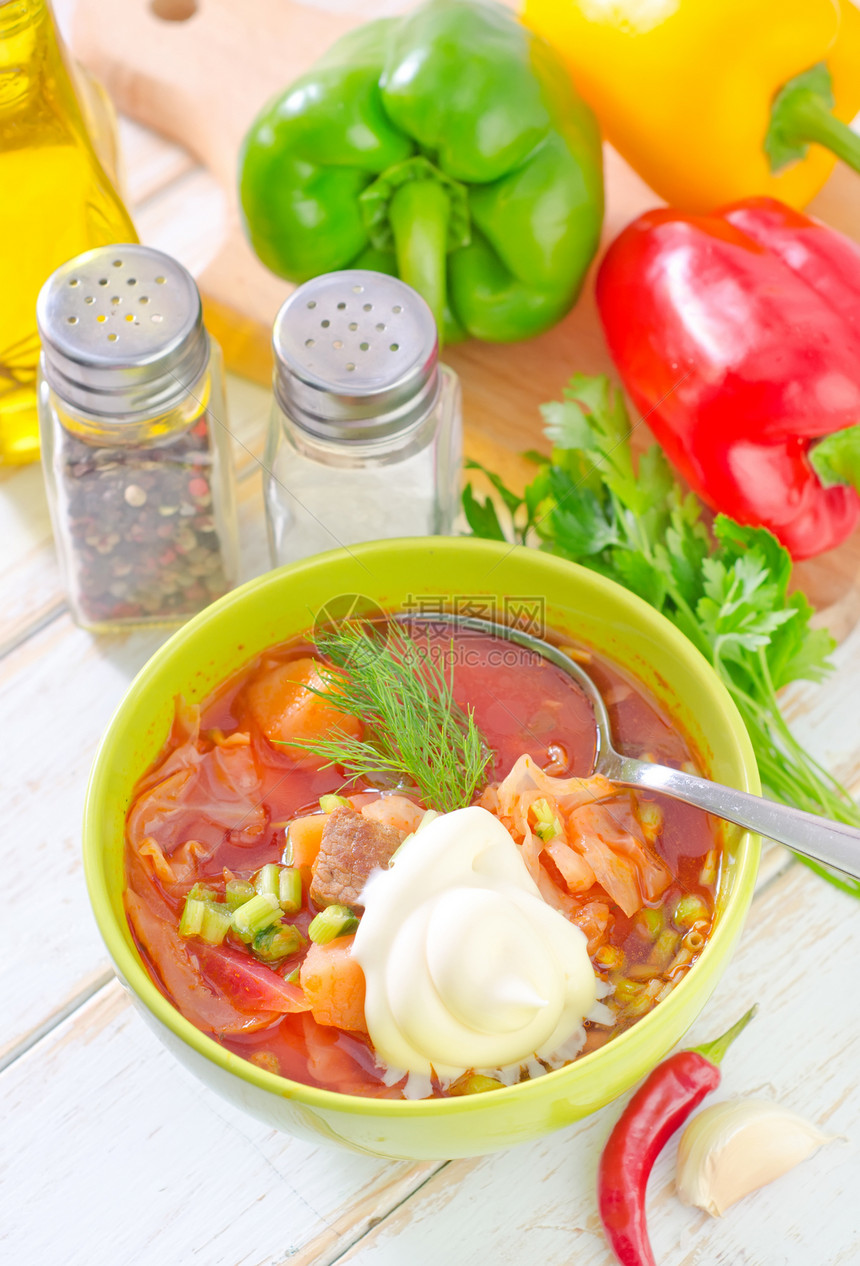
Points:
(57, 195)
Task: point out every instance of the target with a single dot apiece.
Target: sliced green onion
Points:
(689, 910)
(650, 818)
(474, 1084)
(255, 915)
(649, 924)
(238, 891)
(287, 854)
(627, 991)
(640, 1002)
(610, 958)
(267, 879)
(192, 916)
(708, 875)
(331, 923)
(208, 920)
(665, 948)
(290, 890)
(203, 892)
(329, 803)
(547, 824)
(217, 922)
(293, 978)
(393, 858)
(277, 942)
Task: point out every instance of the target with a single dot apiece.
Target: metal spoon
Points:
(821, 839)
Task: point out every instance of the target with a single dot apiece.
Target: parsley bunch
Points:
(726, 587)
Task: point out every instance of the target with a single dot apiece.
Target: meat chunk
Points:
(352, 846)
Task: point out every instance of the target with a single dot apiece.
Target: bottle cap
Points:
(356, 356)
(122, 332)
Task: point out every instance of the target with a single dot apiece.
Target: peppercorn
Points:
(120, 504)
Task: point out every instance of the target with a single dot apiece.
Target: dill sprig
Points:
(415, 733)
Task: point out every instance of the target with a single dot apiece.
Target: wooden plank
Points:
(29, 577)
(140, 1129)
(149, 163)
(201, 81)
(826, 721)
(57, 692)
(532, 1205)
(186, 220)
(140, 1163)
(58, 689)
(537, 1203)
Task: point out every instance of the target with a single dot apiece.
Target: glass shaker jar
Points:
(135, 445)
(366, 431)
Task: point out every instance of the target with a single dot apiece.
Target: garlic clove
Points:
(735, 1147)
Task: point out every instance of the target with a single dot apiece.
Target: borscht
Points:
(376, 862)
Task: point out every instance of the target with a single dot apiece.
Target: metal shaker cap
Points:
(356, 356)
(122, 332)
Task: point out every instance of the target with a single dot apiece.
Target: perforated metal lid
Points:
(122, 332)
(356, 356)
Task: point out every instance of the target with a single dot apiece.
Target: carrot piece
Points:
(284, 707)
(305, 836)
(333, 983)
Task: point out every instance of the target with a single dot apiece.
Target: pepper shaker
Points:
(366, 430)
(135, 445)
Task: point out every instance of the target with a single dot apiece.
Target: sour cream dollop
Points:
(466, 965)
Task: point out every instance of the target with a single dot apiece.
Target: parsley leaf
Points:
(725, 587)
(481, 516)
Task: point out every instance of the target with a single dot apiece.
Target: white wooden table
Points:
(110, 1153)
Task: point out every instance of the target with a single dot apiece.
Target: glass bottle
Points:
(135, 445)
(366, 431)
(57, 195)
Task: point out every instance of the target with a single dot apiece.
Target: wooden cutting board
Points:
(198, 71)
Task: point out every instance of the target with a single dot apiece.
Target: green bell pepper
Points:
(447, 147)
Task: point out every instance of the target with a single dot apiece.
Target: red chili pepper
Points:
(738, 336)
(659, 1107)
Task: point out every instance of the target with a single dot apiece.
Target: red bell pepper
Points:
(738, 337)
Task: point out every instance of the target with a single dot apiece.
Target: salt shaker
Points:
(366, 430)
(134, 440)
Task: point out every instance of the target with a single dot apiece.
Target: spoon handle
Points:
(833, 843)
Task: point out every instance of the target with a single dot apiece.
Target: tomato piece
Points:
(284, 708)
(250, 986)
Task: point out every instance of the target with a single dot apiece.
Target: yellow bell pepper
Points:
(715, 100)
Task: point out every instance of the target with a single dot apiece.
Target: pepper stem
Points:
(802, 114)
(714, 1051)
(418, 214)
(836, 458)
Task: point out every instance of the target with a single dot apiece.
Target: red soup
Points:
(246, 858)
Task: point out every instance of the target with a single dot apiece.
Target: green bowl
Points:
(219, 641)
